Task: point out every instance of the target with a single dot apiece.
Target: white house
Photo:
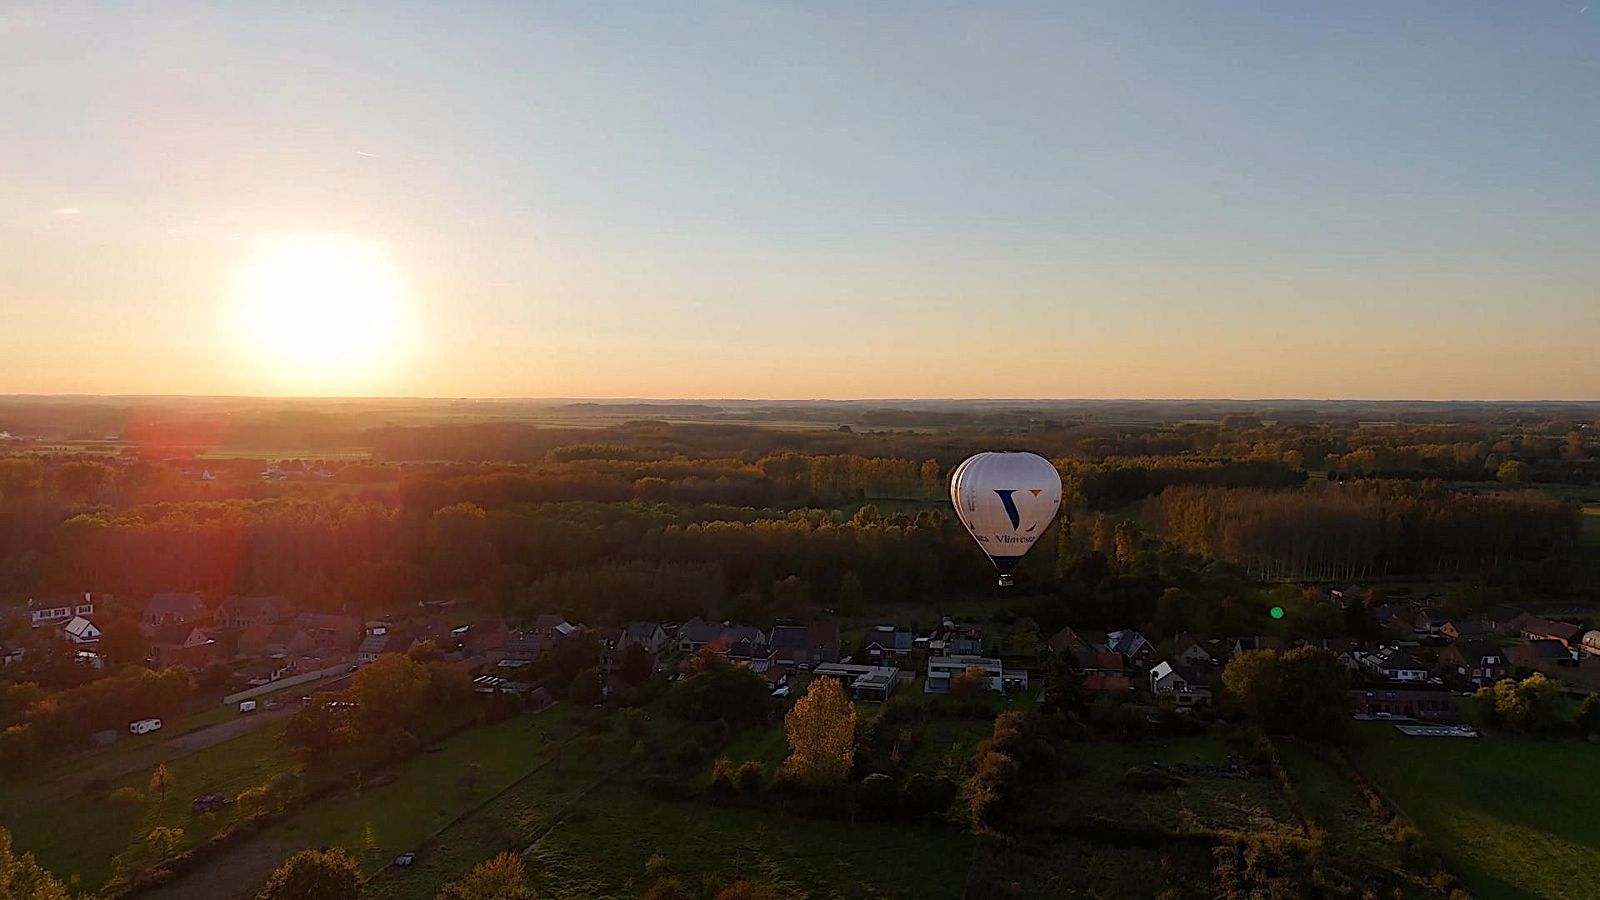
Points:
(80, 631)
(943, 668)
(1186, 687)
(1395, 664)
(54, 612)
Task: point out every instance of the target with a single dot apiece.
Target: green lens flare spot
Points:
(1277, 612)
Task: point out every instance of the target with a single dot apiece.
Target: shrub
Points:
(722, 776)
(879, 795)
(750, 775)
(667, 888)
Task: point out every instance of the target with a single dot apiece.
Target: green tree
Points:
(1301, 692)
(821, 730)
(585, 689)
(1528, 706)
(21, 878)
(636, 665)
(389, 693)
(122, 643)
(500, 878)
(1063, 693)
(1512, 472)
(314, 875)
(1588, 720)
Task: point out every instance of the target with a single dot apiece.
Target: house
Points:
(1549, 656)
(1506, 620)
(173, 608)
(329, 632)
(792, 644)
(383, 641)
(888, 642)
(1064, 641)
(1416, 702)
(1187, 687)
(11, 655)
(1478, 661)
(745, 652)
(1189, 650)
(697, 633)
(262, 638)
(552, 626)
(80, 631)
(777, 678)
(1591, 643)
(824, 637)
(1459, 629)
(867, 683)
(649, 635)
(941, 669)
(1537, 629)
(1104, 672)
(1395, 664)
(1133, 647)
(242, 612)
(1430, 621)
(54, 612)
(181, 645)
(267, 670)
(954, 639)
(487, 637)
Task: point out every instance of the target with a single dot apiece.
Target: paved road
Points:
(137, 759)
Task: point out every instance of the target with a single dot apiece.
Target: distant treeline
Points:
(1357, 529)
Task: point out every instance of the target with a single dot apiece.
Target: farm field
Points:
(1512, 817)
(395, 812)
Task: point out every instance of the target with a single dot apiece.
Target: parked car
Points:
(274, 704)
(405, 859)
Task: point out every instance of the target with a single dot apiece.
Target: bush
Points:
(722, 777)
(749, 777)
(879, 796)
(925, 797)
(667, 888)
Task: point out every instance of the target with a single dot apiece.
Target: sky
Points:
(802, 199)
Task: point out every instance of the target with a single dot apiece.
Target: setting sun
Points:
(321, 311)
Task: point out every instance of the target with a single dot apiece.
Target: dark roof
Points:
(1396, 658)
(172, 603)
(1467, 627)
(1475, 651)
(891, 640)
(1547, 649)
(640, 630)
(254, 607)
(1502, 614)
(1563, 630)
(790, 637)
(823, 631)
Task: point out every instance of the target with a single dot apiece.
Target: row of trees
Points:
(1359, 529)
(35, 723)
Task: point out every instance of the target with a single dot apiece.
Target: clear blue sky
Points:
(816, 199)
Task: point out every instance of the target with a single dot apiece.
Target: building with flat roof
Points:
(869, 683)
(943, 668)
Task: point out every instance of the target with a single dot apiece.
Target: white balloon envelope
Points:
(1006, 500)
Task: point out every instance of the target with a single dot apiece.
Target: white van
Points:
(144, 726)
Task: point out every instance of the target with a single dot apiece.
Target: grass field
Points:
(47, 817)
(374, 824)
(1514, 818)
(1202, 804)
(601, 849)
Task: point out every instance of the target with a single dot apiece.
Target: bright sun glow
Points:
(322, 312)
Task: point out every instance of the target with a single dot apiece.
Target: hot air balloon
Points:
(1006, 500)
